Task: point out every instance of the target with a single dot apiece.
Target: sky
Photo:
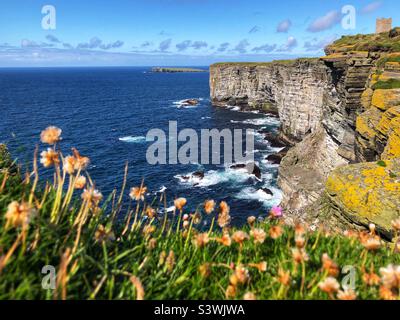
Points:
(35, 33)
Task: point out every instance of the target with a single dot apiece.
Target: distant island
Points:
(173, 70)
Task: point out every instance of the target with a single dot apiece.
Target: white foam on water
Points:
(259, 121)
(181, 104)
(257, 194)
(214, 177)
(133, 139)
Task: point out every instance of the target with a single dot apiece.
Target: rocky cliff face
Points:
(317, 101)
(295, 90)
(332, 112)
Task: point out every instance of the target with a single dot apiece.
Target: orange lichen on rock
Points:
(384, 99)
(372, 195)
(392, 149)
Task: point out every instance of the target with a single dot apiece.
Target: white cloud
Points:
(326, 22)
(284, 26)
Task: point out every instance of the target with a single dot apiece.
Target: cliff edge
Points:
(337, 111)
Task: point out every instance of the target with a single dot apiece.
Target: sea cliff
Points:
(335, 111)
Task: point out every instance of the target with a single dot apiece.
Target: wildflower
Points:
(185, 217)
(371, 242)
(69, 164)
(51, 135)
(80, 182)
(225, 240)
(299, 255)
(139, 287)
(223, 218)
(137, 193)
(284, 277)
(371, 279)
(386, 293)
(209, 206)
(201, 240)
(350, 234)
(223, 208)
(103, 235)
(262, 266)
(149, 229)
(196, 218)
(249, 296)
(92, 196)
(390, 276)
(152, 244)
(230, 292)
(329, 285)
(241, 274)
(276, 212)
(150, 212)
(300, 241)
(372, 228)
(347, 295)
(205, 270)
(299, 229)
(329, 265)
(251, 220)
(240, 236)
(161, 259)
(275, 232)
(259, 235)
(396, 224)
(19, 214)
(81, 162)
(49, 158)
(170, 261)
(180, 203)
(185, 224)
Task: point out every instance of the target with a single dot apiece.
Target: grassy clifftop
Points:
(383, 42)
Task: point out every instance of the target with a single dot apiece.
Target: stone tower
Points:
(383, 25)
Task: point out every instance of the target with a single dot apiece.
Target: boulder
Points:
(366, 193)
(190, 102)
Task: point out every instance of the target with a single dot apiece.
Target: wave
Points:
(182, 104)
(260, 121)
(258, 194)
(133, 139)
(214, 177)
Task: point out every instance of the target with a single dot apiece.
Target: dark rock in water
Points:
(252, 168)
(267, 191)
(274, 140)
(190, 102)
(238, 166)
(274, 158)
(186, 178)
(255, 170)
(198, 174)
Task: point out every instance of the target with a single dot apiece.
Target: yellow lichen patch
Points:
(371, 195)
(385, 99)
(367, 122)
(366, 98)
(392, 149)
(387, 117)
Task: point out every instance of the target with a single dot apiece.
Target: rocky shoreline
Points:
(332, 117)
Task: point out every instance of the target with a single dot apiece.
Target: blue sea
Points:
(106, 113)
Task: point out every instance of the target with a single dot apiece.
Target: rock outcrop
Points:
(338, 110)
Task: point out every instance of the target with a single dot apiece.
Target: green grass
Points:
(130, 256)
(368, 42)
(389, 84)
(271, 63)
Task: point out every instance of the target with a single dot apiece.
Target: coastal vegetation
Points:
(101, 248)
